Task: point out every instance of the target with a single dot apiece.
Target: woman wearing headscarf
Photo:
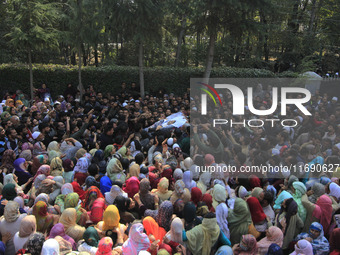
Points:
(137, 241)
(281, 197)
(289, 221)
(196, 195)
(131, 186)
(59, 230)
(208, 200)
(189, 216)
(221, 216)
(163, 215)
(302, 247)
(105, 184)
(300, 190)
(12, 178)
(68, 173)
(45, 220)
(111, 220)
(37, 162)
(146, 197)
(258, 217)
(91, 241)
(54, 146)
(97, 210)
(90, 196)
(318, 190)
(69, 220)
(219, 195)
(334, 242)
(45, 198)
(247, 246)
(319, 212)
(39, 148)
(180, 192)
(134, 170)
(152, 228)
(56, 167)
(78, 189)
(7, 161)
(10, 223)
(56, 188)
(114, 170)
(50, 247)
(178, 174)
(187, 179)
(43, 169)
(28, 227)
(26, 154)
(333, 190)
(80, 170)
(316, 237)
(20, 171)
(91, 181)
(203, 238)
(8, 193)
(273, 235)
(174, 236)
(72, 201)
(114, 192)
(162, 189)
(204, 182)
(239, 220)
(35, 243)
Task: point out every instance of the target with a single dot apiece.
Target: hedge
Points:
(109, 78)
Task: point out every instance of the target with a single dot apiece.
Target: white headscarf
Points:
(114, 192)
(221, 217)
(187, 179)
(50, 247)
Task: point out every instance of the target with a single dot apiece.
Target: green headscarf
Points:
(239, 220)
(8, 191)
(107, 151)
(91, 237)
(71, 200)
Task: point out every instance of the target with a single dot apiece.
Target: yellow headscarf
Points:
(69, 219)
(111, 218)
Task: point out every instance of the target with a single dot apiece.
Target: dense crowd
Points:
(101, 174)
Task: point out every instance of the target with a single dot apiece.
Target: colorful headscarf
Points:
(111, 218)
(44, 220)
(91, 237)
(105, 246)
(137, 241)
(90, 195)
(35, 243)
(257, 214)
(131, 186)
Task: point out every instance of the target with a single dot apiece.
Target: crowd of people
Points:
(101, 175)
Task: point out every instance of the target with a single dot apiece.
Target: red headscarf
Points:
(97, 210)
(153, 180)
(77, 189)
(334, 241)
(167, 172)
(323, 211)
(207, 198)
(196, 195)
(91, 194)
(131, 186)
(257, 214)
(209, 159)
(254, 181)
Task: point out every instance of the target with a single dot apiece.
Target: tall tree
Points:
(33, 28)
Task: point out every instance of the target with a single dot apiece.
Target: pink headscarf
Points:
(44, 169)
(323, 211)
(250, 242)
(209, 159)
(138, 241)
(276, 236)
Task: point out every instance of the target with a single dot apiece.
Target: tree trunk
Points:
(80, 85)
(141, 71)
(73, 59)
(84, 54)
(180, 39)
(96, 55)
(31, 73)
(210, 56)
(197, 48)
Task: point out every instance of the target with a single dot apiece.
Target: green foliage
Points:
(109, 78)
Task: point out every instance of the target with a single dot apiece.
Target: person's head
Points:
(315, 230)
(267, 199)
(11, 133)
